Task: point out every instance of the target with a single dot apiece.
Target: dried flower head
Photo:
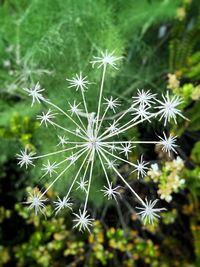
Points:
(95, 138)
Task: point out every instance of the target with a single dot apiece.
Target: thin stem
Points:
(122, 129)
(100, 97)
(81, 153)
(102, 119)
(86, 169)
(126, 161)
(57, 125)
(124, 113)
(90, 179)
(102, 164)
(122, 178)
(57, 152)
(130, 142)
(81, 122)
(85, 105)
(109, 146)
(76, 177)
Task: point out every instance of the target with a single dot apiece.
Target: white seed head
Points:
(87, 136)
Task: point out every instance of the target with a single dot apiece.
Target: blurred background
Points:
(50, 40)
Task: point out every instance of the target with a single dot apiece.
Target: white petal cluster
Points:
(126, 149)
(50, 168)
(74, 108)
(36, 202)
(112, 103)
(62, 140)
(25, 158)
(82, 221)
(62, 204)
(143, 98)
(105, 59)
(36, 93)
(168, 143)
(46, 117)
(82, 185)
(79, 82)
(110, 191)
(141, 168)
(168, 108)
(148, 213)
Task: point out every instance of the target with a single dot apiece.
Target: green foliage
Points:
(185, 40)
(49, 41)
(40, 40)
(195, 155)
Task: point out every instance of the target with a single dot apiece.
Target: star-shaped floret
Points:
(77, 131)
(62, 204)
(35, 93)
(140, 167)
(114, 127)
(79, 82)
(36, 202)
(83, 221)
(74, 108)
(72, 158)
(83, 184)
(143, 98)
(168, 108)
(112, 103)
(148, 212)
(112, 148)
(141, 113)
(105, 59)
(111, 164)
(126, 148)
(168, 143)
(111, 192)
(46, 117)
(25, 158)
(50, 168)
(62, 140)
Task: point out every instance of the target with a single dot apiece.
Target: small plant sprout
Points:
(95, 140)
